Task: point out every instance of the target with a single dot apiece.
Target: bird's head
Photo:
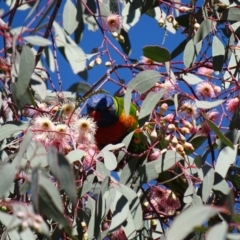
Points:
(102, 108)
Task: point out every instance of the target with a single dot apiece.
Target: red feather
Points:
(116, 132)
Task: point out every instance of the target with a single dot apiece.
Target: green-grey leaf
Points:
(8, 172)
(24, 145)
(219, 133)
(27, 234)
(157, 54)
(191, 78)
(167, 160)
(10, 221)
(69, 17)
(141, 83)
(104, 9)
(128, 170)
(26, 67)
(148, 105)
(110, 160)
(90, 206)
(38, 41)
(62, 170)
(75, 155)
(87, 185)
(8, 130)
(218, 231)
(102, 171)
(208, 181)
(208, 105)
(32, 10)
(52, 192)
(190, 53)
(120, 210)
(204, 29)
(227, 157)
(188, 219)
(231, 14)
(218, 53)
(73, 54)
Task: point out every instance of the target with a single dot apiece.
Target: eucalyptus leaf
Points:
(73, 54)
(62, 170)
(187, 220)
(208, 105)
(8, 172)
(26, 66)
(69, 17)
(218, 231)
(157, 54)
(206, 26)
(8, 130)
(120, 209)
(219, 133)
(38, 41)
(226, 158)
(191, 78)
(208, 182)
(102, 171)
(167, 160)
(218, 53)
(148, 105)
(141, 83)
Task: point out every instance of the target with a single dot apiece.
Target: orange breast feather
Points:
(114, 133)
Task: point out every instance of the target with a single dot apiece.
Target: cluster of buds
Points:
(30, 220)
(119, 37)
(96, 61)
(171, 19)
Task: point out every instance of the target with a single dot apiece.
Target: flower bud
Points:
(21, 214)
(121, 39)
(163, 108)
(91, 65)
(83, 224)
(171, 127)
(187, 124)
(185, 130)
(161, 22)
(196, 26)
(146, 204)
(155, 155)
(153, 223)
(154, 133)
(98, 60)
(174, 141)
(115, 34)
(184, 9)
(85, 236)
(217, 89)
(170, 18)
(168, 138)
(25, 224)
(175, 24)
(188, 146)
(182, 138)
(179, 148)
(108, 64)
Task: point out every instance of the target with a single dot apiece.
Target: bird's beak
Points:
(95, 115)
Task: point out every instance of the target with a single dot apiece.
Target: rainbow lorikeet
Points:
(112, 122)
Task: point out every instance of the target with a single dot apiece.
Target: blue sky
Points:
(145, 32)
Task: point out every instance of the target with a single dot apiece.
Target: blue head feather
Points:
(104, 105)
